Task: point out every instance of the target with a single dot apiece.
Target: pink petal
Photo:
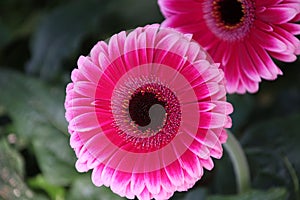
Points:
(81, 167)
(194, 52)
(96, 175)
(80, 102)
(100, 153)
(232, 71)
(211, 140)
(296, 18)
(153, 181)
(76, 75)
(220, 94)
(213, 75)
(171, 7)
(250, 85)
(84, 122)
(99, 48)
(85, 88)
(268, 3)
(166, 183)
(144, 195)
(284, 57)
(248, 65)
(226, 55)
(78, 110)
(206, 90)
(212, 120)
(163, 194)
(201, 66)
(75, 141)
(292, 41)
(200, 150)
(89, 69)
(291, 28)
(129, 194)
(174, 173)
(263, 25)
(116, 45)
(277, 14)
(103, 60)
(191, 164)
(259, 63)
(266, 62)
(207, 164)
(119, 182)
(222, 107)
(173, 43)
(137, 183)
(106, 175)
(206, 38)
(206, 106)
(268, 42)
(223, 136)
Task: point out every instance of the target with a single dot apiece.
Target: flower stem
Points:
(294, 177)
(239, 161)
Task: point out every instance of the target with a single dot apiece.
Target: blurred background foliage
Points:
(40, 42)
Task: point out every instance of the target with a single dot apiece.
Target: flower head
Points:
(242, 35)
(147, 112)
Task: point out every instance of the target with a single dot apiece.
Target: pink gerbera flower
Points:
(242, 35)
(146, 113)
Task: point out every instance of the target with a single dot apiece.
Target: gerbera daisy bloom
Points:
(242, 35)
(147, 112)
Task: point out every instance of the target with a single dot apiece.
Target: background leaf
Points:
(83, 188)
(60, 33)
(62, 30)
(272, 194)
(54, 191)
(12, 185)
(38, 114)
(30, 101)
(273, 150)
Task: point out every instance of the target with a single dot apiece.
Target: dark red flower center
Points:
(149, 118)
(229, 12)
(139, 106)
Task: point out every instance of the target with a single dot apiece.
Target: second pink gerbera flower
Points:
(242, 35)
(146, 112)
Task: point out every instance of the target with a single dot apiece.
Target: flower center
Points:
(146, 113)
(229, 20)
(231, 11)
(146, 110)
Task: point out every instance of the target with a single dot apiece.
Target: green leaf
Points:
(5, 35)
(37, 113)
(31, 102)
(60, 34)
(243, 108)
(224, 181)
(12, 185)
(127, 11)
(273, 150)
(40, 183)
(272, 194)
(198, 193)
(83, 188)
(54, 155)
